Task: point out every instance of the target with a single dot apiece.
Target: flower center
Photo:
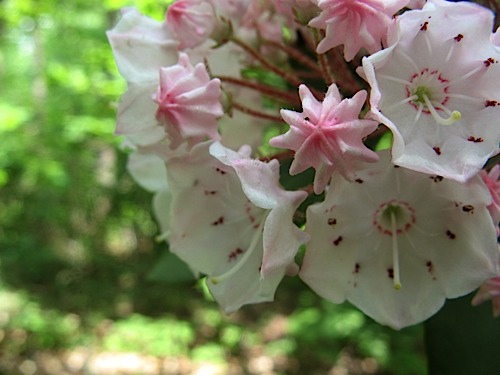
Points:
(421, 92)
(404, 216)
(428, 93)
(394, 218)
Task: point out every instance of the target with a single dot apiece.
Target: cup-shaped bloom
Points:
(437, 88)
(369, 18)
(327, 136)
(188, 102)
(397, 243)
(231, 220)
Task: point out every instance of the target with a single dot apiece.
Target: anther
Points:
(454, 116)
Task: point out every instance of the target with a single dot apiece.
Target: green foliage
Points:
(170, 269)
(327, 331)
(28, 327)
(463, 339)
(159, 337)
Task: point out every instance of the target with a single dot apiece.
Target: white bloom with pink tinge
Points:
(437, 88)
(140, 46)
(327, 136)
(231, 220)
(397, 243)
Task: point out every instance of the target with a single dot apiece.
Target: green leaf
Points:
(463, 340)
(170, 269)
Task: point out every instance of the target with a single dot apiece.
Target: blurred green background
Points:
(77, 295)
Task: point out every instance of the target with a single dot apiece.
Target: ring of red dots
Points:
(401, 229)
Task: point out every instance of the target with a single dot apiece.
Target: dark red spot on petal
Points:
(234, 254)
(357, 268)
(430, 266)
(337, 241)
(332, 221)
(437, 150)
(220, 171)
(437, 178)
(359, 180)
(219, 221)
(390, 273)
(450, 235)
(475, 140)
(491, 103)
(468, 208)
(458, 38)
(489, 61)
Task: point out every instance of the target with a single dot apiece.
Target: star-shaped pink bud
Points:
(327, 136)
(355, 23)
(188, 102)
(397, 243)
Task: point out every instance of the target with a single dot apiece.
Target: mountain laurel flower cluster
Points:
(352, 144)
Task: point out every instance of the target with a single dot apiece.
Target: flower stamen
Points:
(395, 250)
(455, 115)
(255, 240)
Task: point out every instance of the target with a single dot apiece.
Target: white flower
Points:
(437, 88)
(140, 46)
(230, 220)
(398, 242)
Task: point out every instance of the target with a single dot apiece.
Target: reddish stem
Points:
(288, 154)
(255, 113)
(264, 89)
(297, 55)
(292, 79)
(323, 60)
(266, 63)
(348, 81)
